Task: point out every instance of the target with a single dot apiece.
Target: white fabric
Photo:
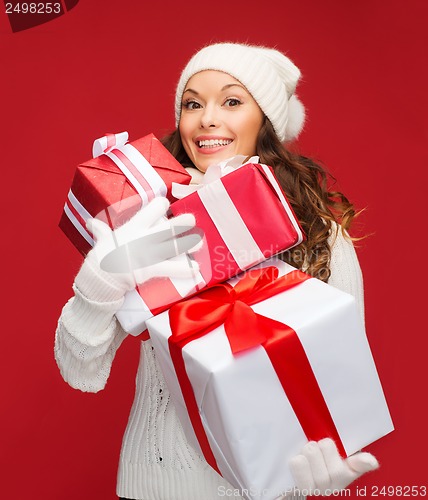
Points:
(149, 220)
(156, 462)
(320, 470)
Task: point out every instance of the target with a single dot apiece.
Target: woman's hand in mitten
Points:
(157, 239)
(320, 467)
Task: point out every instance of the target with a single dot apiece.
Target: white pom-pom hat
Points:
(269, 76)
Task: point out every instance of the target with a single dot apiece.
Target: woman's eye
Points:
(191, 105)
(232, 102)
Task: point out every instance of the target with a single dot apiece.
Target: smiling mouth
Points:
(213, 143)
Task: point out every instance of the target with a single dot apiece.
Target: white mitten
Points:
(145, 225)
(320, 467)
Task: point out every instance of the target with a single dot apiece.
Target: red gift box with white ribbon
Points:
(245, 218)
(116, 182)
(259, 365)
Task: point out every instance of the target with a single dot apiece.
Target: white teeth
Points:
(212, 143)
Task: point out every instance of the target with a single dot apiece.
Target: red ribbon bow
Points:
(224, 304)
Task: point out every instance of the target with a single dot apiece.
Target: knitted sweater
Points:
(156, 462)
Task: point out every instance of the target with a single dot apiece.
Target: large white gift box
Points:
(304, 374)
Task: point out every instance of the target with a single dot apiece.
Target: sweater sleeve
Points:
(88, 335)
(345, 269)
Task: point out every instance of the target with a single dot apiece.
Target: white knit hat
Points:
(269, 76)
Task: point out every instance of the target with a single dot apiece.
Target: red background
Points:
(112, 66)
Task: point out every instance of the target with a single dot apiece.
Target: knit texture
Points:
(345, 269)
(156, 462)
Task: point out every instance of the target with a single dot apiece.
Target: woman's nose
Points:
(209, 117)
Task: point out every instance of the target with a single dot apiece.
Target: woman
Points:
(231, 99)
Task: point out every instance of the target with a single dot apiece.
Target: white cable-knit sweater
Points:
(156, 463)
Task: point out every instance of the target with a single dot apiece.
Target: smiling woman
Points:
(231, 99)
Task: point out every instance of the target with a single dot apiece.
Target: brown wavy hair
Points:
(306, 185)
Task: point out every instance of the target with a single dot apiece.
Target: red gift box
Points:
(115, 184)
(245, 219)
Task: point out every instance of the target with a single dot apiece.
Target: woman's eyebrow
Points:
(233, 85)
(222, 90)
(191, 90)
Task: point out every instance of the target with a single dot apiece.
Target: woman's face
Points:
(219, 119)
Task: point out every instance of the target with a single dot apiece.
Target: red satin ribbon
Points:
(224, 304)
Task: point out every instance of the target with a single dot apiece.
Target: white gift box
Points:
(249, 422)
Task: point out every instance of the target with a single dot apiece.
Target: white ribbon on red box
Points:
(143, 177)
(213, 173)
(138, 171)
(232, 228)
(78, 216)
